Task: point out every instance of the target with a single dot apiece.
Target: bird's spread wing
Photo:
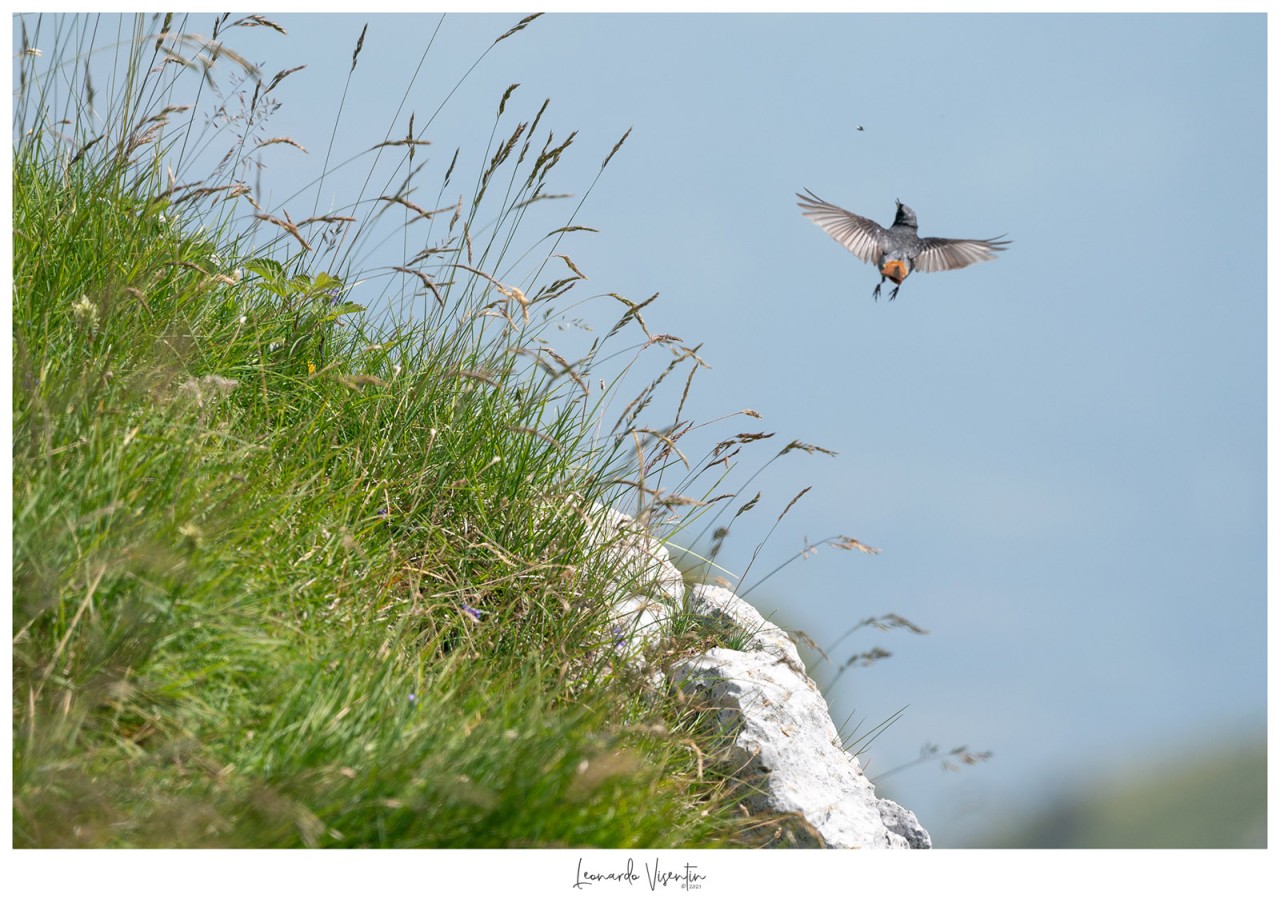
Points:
(860, 236)
(939, 254)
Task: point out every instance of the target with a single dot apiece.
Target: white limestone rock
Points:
(643, 564)
(784, 740)
(787, 749)
(722, 606)
(645, 587)
(903, 822)
(637, 624)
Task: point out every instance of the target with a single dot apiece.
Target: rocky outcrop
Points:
(783, 746)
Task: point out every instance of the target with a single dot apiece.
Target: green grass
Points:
(284, 576)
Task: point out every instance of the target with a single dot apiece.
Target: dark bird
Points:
(897, 251)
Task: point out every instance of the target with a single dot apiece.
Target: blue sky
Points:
(1062, 454)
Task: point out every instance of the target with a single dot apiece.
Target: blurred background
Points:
(1061, 454)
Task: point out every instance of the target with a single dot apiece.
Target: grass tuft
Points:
(284, 576)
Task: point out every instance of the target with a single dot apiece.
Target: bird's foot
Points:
(893, 295)
(875, 294)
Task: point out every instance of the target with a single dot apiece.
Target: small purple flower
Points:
(619, 637)
(474, 613)
(413, 699)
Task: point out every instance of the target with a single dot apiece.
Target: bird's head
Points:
(906, 215)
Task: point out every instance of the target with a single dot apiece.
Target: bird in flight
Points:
(896, 251)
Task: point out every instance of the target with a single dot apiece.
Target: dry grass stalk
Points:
(852, 543)
(573, 268)
(213, 48)
(537, 197)
(163, 115)
(328, 219)
(511, 293)
(402, 142)
(426, 282)
(142, 138)
(506, 95)
(233, 191)
(806, 447)
(355, 382)
(281, 76)
(519, 26)
(255, 21)
(794, 500)
(534, 432)
(668, 441)
(431, 251)
(84, 149)
(279, 140)
(359, 46)
(475, 374)
(571, 228)
(422, 213)
(567, 369)
(288, 225)
(616, 147)
(633, 312)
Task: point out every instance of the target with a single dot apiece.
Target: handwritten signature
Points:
(656, 876)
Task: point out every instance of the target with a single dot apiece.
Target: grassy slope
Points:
(281, 580)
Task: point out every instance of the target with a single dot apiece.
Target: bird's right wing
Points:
(940, 254)
(860, 236)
